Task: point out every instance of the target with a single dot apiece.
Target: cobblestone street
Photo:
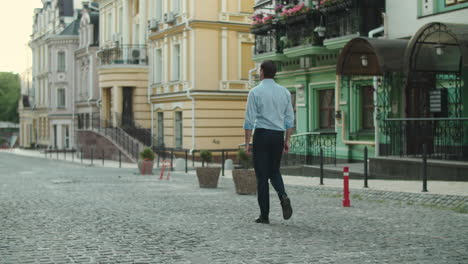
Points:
(58, 212)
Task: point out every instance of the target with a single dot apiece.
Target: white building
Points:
(87, 90)
(50, 20)
(406, 17)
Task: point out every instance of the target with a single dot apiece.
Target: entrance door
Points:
(127, 109)
(419, 132)
(55, 136)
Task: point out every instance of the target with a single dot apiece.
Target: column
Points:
(185, 51)
(59, 137)
(224, 54)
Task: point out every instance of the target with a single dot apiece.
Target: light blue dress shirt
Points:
(269, 107)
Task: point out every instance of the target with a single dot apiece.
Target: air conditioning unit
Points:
(169, 18)
(153, 24)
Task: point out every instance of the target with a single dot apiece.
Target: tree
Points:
(10, 91)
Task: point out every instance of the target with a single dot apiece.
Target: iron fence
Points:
(112, 131)
(305, 149)
(445, 138)
(124, 54)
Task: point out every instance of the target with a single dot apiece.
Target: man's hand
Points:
(286, 147)
(248, 149)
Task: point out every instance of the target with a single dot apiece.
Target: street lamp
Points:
(364, 61)
(439, 49)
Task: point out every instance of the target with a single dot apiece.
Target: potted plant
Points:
(330, 6)
(146, 162)
(207, 176)
(245, 180)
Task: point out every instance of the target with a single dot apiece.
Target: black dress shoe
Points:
(287, 209)
(262, 220)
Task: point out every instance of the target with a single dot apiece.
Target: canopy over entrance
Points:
(438, 47)
(370, 56)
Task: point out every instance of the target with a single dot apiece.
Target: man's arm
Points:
(289, 123)
(286, 140)
(248, 135)
(250, 117)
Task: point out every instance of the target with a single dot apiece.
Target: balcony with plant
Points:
(291, 27)
(343, 20)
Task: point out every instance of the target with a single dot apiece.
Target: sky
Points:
(16, 27)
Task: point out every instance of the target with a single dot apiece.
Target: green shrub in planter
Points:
(207, 177)
(206, 156)
(245, 180)
(145, 164)
(147, 154)
(244, 159)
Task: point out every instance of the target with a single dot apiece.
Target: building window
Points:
(367, 107)
(61, 61)
(178, 130)
(55, 136)
(61, 100)
(176, 63)
(160, 130)
(327, 109)
(157, 66)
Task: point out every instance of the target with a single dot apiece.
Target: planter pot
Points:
(245, 181)
(341, 6)
(296, 19)
(146, 167)
(208, 177)
(263, 29)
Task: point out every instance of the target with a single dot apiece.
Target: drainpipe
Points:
(375, 86)
(192, 85)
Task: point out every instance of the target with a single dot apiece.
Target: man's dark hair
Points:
(269, 69)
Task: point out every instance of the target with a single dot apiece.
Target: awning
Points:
(382, 55)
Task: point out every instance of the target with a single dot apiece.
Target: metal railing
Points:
(306, 148)
(268, 43)
(124, 54)
(445, 138)
(108, 128)
(137, 131)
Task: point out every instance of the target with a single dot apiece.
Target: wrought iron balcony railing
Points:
(267, 43)
(445, 138)
(344, 18)
(124, 54)
(305, 148)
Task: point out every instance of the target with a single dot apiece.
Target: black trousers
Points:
(267, 150)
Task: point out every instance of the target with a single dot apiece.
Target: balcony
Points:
(348, 19)
(311, 31)
(123, 55)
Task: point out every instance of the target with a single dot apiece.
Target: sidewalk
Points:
(434, 187)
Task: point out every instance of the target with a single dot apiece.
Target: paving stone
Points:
(67, 213)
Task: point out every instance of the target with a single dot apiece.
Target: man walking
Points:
(269, 111)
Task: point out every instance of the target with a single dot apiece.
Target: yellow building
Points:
(200, 58)
(123, 69)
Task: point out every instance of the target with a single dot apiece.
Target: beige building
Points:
(200, 60)
(123, 68)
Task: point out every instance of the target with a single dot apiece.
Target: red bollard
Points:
(166, 163)
(346, 201)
